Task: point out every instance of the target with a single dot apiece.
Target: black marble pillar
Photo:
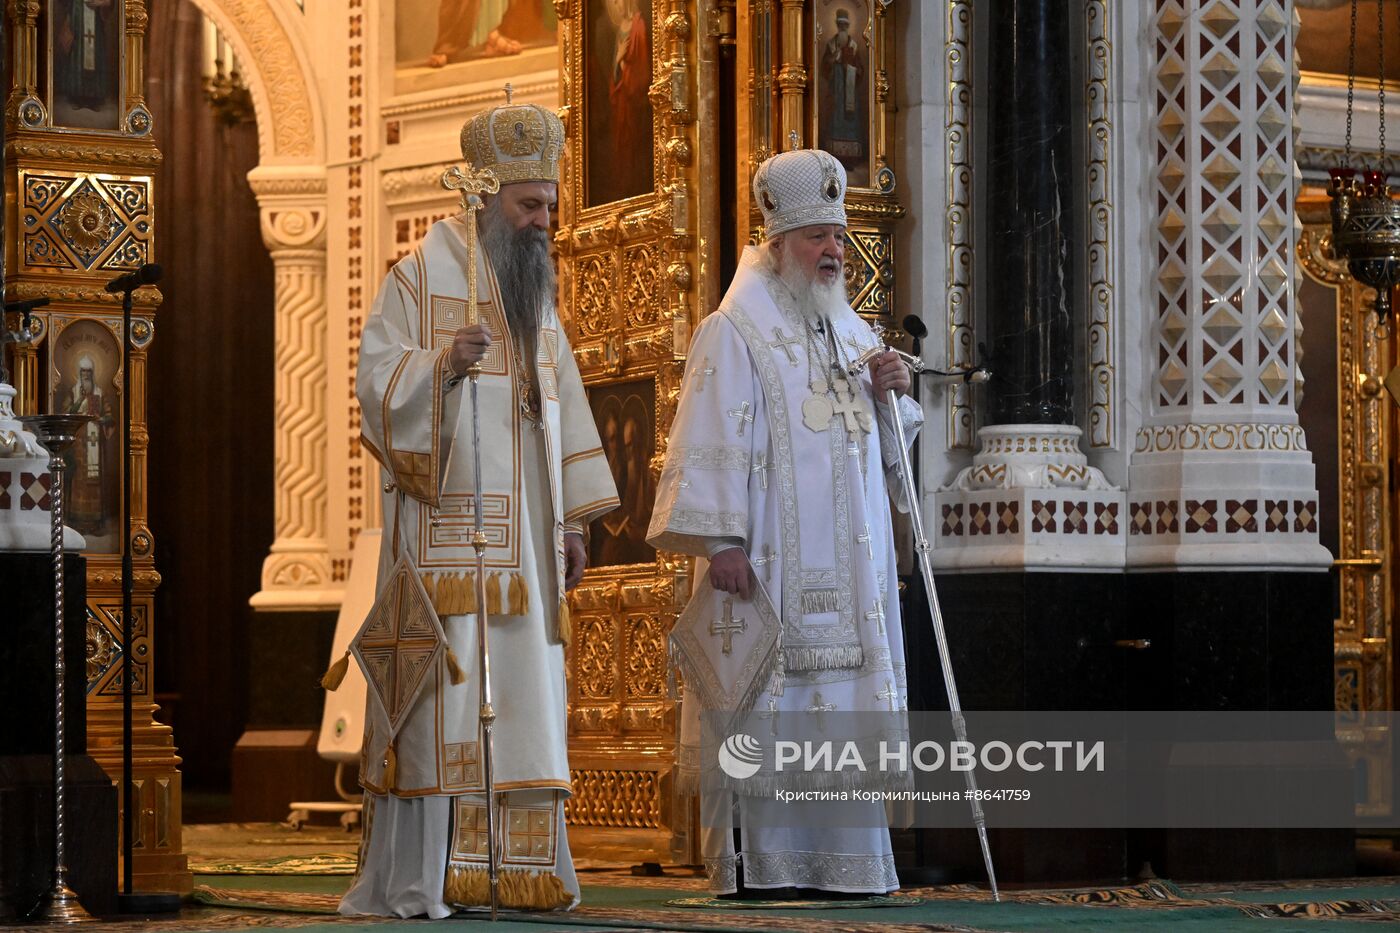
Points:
(26, 743)
(1031, 255)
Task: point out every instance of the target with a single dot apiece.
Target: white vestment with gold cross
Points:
(801, 485)
(425, 842)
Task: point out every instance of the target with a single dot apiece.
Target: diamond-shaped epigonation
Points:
(1272, 224)
(1170, 73)
(1171, 275)
(1220, 121)
(1273, 326)
(1171, 174)
(1271, 71)
(1221, 275)
(1172, 327)
(1171, 20)
(1170, 123)
(1273, 275)
(1220, 171)
(1222, 377)
(1271, 20)
(1222, 222)
(1220, 18)
(1221, 325)
(1171, 225)
(1220, 70)
(1171, 378)
(1272, 122)
(1271, 172)
(1274, 378)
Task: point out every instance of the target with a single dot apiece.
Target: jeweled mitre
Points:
(518, 142)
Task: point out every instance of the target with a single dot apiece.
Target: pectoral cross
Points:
(877, 615)
(818, 707)
(771, 715)
(767, 558)
(744, 415)
(850, 407)
(888, 694)
(785, 344)
(794, 141)
(727, 625)
(761, 467)
(701, 373)
(865, 540)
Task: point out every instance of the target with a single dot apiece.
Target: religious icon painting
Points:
(625, 413)
(439, 43)
(85, 376)
(84, 45)
(618, 131)
(841, 56)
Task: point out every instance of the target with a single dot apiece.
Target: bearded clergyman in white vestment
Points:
(543, 477)
(777, 472)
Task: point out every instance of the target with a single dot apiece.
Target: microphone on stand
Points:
(147, 274)
(915, 327)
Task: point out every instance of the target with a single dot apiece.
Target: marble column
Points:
(1032, 304)
(1221, 477)
(297, 572)
(1030, 498)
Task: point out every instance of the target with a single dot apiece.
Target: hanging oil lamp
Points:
(1365, 218)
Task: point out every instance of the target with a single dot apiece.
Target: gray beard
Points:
(523, 269)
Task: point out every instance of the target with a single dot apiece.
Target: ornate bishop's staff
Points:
(921, 545)
(472, 184)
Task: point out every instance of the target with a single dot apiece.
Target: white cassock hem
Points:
(404, 863)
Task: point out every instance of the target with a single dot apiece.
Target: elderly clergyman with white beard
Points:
(777, 472)
(544, 477)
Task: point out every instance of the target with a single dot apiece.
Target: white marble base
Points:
(1030, 500)
(1026, 529)
(1223, 497)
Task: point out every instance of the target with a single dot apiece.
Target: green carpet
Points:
(1352, 904)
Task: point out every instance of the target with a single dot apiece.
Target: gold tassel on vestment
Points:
(334, 674)
(517, 595)
(516, 888)
(454, 670)
(391, 767)
(454, 594)
(565, 626)
(493, 594)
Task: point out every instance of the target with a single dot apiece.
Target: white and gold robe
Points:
(811, 510)
(424, 828)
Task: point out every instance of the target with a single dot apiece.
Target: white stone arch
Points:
(269, 37)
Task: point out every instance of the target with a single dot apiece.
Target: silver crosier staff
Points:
(923, 548)
(472, 184)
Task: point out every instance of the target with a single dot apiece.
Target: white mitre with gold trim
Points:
(800, 188)
(517, 142)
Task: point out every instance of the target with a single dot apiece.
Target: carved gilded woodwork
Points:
(80, 209)
(1362, 642)
(637, 272)
(784, 60)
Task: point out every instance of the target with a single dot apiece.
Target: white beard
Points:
(814, 298)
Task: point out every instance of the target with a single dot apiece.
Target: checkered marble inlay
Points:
(34, 491)
(1240, 515)
(979, 518)
(6, 478)
(952, 520)
(1076, 517)
(1105, 518)
(1008, 517)
(1043, 515)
